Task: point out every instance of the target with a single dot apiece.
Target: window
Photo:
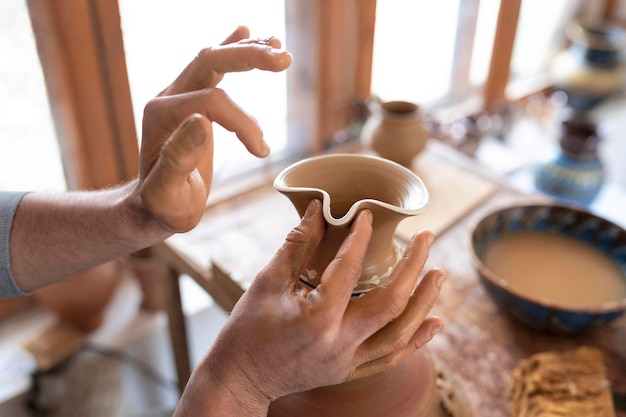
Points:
(159, 44)
(540, 34)
(29, 151)
(433, 53)
(436, 53)
(413, 49)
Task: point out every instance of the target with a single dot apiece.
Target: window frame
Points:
(80, 47)
(81, 51)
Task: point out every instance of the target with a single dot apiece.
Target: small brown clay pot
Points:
(81, 300)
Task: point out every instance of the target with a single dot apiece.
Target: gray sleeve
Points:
(8, 205)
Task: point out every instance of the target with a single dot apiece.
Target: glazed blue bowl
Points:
(538, 313)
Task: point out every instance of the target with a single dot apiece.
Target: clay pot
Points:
(395, 130)
(590, 69)
(575, 174)
(81, 300)
(346, 184)
(408, 390)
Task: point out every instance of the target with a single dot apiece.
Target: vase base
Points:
(395, 393)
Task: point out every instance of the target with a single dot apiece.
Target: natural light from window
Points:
(161, 37)
(413, 49)
(29, 151)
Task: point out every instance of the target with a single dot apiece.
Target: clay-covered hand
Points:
(176, 160)
(283, 337)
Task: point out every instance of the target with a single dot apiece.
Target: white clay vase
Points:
(346, 184)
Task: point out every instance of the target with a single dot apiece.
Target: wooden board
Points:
(454, 191)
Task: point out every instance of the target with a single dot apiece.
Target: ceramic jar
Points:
(395, 130)
(346, 184)
(591, 69)
(575, 174)
(81, 300)
(407, 390)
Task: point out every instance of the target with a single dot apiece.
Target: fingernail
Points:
(436, 329)
(429, 239)
(193, 131)
(440, 279)
(264, 149)
(310, 209)
(369, 216)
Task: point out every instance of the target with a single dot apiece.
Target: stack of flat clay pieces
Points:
(559, 384)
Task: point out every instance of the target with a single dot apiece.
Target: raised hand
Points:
(176, 160)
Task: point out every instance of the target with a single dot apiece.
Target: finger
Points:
(431, 326)
(297, 250)
(271, 41)
(174, 188)
(245, 56)
(217, 106)
(343, 272)
(240, 33)
(209, 66)
(399, 333)
(384, 304)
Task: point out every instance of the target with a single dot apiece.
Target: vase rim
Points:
(399, 107)
(417, 184)
(599, 36)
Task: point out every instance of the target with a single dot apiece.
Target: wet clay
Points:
(557, 268)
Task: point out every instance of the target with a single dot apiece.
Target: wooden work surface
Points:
(479, 345)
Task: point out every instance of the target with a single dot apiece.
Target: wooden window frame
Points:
(494, 92)
(338, 38)
(81, 51)
(82, 54)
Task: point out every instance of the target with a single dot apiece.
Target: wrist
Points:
(213, 391)
(143, 228)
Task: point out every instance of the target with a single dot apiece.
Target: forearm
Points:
(56, 235)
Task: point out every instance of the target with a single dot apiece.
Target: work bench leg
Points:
(178, 330)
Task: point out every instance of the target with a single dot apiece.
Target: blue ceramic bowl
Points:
(564, 220)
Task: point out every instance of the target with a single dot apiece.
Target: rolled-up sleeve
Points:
(9, 201)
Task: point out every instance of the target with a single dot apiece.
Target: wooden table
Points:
(479, 345)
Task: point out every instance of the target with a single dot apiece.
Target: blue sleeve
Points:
(8, 205)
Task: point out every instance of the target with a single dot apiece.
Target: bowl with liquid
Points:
(554, 267)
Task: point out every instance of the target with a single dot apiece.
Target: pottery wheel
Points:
(452, 399)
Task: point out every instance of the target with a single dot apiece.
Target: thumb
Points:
(298, 248)
(178, 184)
(188, 149)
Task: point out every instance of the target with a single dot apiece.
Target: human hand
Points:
(176, 158)
(280, 326)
